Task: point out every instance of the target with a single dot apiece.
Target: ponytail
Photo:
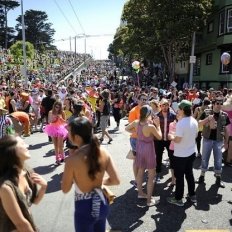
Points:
(93, 157)
(82, 127)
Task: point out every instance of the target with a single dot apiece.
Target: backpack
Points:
(106, 108)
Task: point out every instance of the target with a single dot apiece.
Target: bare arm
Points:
(38, 179)
(156, 131)
(132, 126)
(205, 121)
(113, 178)
(67, 178)
(50, 117)
(13, 104)
(13, 210)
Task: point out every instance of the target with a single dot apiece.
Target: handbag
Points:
(130, 155)
(110, 196)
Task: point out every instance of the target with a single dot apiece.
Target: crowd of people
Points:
(78, 108)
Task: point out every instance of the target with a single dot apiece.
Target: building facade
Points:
(215, 39)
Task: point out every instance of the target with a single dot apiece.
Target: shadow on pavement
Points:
(43, 170)
(168, 217)
(38, 146)
(205, 198)
(131, 210)
(54, 183)
(49, 153)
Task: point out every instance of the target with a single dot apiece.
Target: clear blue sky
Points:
(97, 17)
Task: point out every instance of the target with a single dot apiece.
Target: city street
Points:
(55, 212)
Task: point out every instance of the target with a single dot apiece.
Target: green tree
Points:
(6, 33)
(162, 30)
(17, 51)
(37, 30)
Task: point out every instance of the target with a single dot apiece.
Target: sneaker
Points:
(157, 179)
(219, 182)
(172, 200)
(193, 198)
(200, 180)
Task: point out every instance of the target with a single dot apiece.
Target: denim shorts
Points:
(133, 143)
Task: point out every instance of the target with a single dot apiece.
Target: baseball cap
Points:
(185, 104)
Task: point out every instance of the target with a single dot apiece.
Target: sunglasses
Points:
(143, 99)
(219, 103)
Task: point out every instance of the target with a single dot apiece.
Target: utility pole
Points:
(24, 44)
(70, 43)
(192, 60)
(85, 47)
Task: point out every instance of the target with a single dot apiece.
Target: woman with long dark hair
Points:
(86, 169)
(18, 186)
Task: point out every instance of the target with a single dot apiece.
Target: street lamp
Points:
(24, 44)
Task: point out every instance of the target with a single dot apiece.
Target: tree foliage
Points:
(17, 51)
(160, 30)
(37, 30)
(6, 33)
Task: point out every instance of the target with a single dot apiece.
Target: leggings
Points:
(87, 218)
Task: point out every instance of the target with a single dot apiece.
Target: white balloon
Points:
(225, 58)
(136, 65)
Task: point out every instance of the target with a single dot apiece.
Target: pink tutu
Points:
(56, 130)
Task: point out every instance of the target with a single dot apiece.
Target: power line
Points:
(76, 16)
(65, 16)
(82, 36)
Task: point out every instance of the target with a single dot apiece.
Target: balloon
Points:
(225, 58)
(136, 65)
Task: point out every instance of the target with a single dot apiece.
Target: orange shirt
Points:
(134, 114)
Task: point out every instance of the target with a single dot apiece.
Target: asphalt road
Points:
(55, 212)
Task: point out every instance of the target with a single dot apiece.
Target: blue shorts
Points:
(90, 214)
(133, 143)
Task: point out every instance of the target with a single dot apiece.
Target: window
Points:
(197, 67)
(210, 27)
(229, 21)
(224, 68)
(222, 23)
(182, 64)
(209, 59)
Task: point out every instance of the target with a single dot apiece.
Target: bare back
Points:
(77, 169)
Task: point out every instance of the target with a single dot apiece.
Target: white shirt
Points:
(187, 129)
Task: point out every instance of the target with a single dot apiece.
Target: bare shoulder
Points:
(104, 152)
(5, 189)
